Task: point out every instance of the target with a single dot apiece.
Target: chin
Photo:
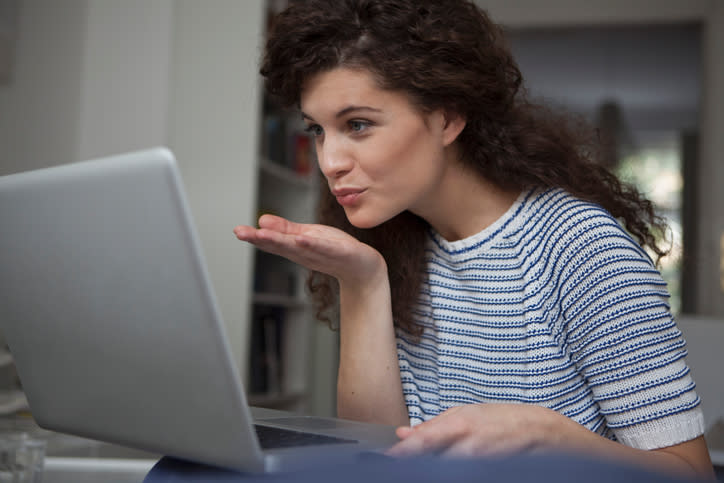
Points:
(362, 223)
(359, 220)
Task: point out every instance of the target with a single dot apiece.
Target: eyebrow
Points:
(345, 111)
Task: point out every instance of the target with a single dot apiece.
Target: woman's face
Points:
(380, 154)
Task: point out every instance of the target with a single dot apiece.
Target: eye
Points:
(358, 126)
(314, 130)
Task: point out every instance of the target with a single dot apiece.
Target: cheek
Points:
(403, 154)
(417, 160)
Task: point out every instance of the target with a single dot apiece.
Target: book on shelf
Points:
(284, 141)
(274, 275)
(300, 154)
(266, 364)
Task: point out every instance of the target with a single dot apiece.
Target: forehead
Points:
(342, 87)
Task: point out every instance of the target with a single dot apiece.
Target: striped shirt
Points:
(555, 305)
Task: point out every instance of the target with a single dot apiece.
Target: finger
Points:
(277, 223)
(244, 232)
(262, 237)
(407, 447)
(267, 240)
(469, 448)
(435, 434)
(314, 253)
(282, 225)
(316, 247)
(428, 439)
(472, 446)
(461, 449)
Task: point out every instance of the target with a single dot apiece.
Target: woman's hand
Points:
(478, 430)
(368, 384)
(317, 247)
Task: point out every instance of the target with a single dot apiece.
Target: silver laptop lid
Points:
(107, 308)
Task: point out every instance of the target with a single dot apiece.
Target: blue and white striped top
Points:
(556, 305)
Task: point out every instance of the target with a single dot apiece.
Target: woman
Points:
(489, 298)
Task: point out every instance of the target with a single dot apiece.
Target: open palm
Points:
(317, 247)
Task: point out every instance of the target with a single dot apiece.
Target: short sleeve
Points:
(623, 339)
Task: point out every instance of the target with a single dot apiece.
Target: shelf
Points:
(287, 175)
(279, 300)
(12, 401)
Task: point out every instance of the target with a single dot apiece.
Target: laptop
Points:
(108, 310)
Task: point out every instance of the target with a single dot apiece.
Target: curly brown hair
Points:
(443, 55)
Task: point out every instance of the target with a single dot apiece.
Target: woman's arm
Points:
(493, 429)
(368, 386)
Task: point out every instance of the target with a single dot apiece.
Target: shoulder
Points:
(569, 226)
(583, 250)
(555, 208)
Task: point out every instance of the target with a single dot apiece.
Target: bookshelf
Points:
(282, 318)
(283, 328)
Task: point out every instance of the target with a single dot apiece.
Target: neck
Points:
(464, 203)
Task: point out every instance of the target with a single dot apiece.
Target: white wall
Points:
(90, 78)
(214, 122)
(124, 77)
(40, 107)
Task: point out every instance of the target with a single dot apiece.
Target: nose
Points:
(334, 157)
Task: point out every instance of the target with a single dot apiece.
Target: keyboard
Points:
(271, 438)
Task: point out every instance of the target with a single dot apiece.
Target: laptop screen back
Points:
(109, 312)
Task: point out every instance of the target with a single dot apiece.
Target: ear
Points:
(454, 124)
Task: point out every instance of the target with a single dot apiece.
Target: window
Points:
(654, 166)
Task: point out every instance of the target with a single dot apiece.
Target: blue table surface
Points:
(542, 468)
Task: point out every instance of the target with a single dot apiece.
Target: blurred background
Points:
(81, 79)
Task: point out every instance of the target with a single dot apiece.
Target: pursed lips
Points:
(347, 196)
